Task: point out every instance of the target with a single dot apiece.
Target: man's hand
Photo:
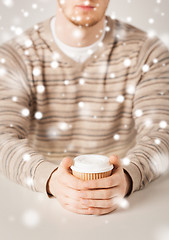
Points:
(92, 196)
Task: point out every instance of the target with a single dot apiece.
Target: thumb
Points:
(66, 163)
(115, 160)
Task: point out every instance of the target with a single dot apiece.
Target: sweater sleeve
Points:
(18, 161)
(149, 158)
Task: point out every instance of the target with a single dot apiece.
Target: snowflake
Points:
(112, 75)
(125, 161)
(157, 141)
(86, 3)
(62, 2)
(8, 3)
(38, 115)
(29, 181)
(148, 122)
(25, 112)
(151, 20)
(100, 44)
(151, 33)
(66, 82)
(138, 113)
(54, 64)
(155, 60)
(116, 137)
(120, 99)
(28, 43)
(127, 62)
(163, 124)
(81, 104)
(81, 81)
(121, 202)
(130, 89)
(40, 88)
(63, 126)
(36, 71)
(129, 19)
(3, 60)
(30, 218)
(145, 68)
(107, 28)
(2, 71)
(34, 6)
(26, 157)
(18, 30)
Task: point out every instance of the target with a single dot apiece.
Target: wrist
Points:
(49, 183)
(128, 183)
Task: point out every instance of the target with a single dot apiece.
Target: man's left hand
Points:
(102, 194)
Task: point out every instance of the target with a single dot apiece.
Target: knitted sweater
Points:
(116, 102)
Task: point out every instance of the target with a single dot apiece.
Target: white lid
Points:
(91, 164)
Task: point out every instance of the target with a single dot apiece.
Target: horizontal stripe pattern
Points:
(106, 105)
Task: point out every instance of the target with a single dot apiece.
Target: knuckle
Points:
(75, 204)
(111, 192)
(92, 194)
(77, 194)
(93, 184)
(110, 202)
(97, 211)
(106, 194)
(91, 203)
(110, 182)
(76, 183)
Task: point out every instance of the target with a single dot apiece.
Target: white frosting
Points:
(91, 164)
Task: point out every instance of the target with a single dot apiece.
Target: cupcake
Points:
(89, 167)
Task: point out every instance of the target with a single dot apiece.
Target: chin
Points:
(84, 23)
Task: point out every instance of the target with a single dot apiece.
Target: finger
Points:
(70, 192)
(102, 211)
(72, 182)
(107, 182)
(66, 163)
(85, 211)
(98, 203)
(64, 200)
(100, 193)
(115, 160)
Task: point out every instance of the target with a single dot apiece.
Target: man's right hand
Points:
(66, 188)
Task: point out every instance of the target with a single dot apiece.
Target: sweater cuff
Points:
(135, 175)
(42, 175)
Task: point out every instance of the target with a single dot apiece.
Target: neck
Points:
(76, 36)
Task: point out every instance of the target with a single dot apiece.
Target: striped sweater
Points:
(116, 102)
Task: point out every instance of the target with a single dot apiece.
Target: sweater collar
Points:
(46, 34)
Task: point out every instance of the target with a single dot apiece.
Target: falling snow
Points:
(163, 124)
(40, 88)
(138, 113)
(36, 71)
(25, 112)
(125, 161)
(26, 157)
(38, 115)
(30, 218)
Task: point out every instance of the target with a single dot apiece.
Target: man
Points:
(82, 83)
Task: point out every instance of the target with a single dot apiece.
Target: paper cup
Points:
(89, 167)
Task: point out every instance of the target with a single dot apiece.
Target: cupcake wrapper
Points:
(91, 176)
